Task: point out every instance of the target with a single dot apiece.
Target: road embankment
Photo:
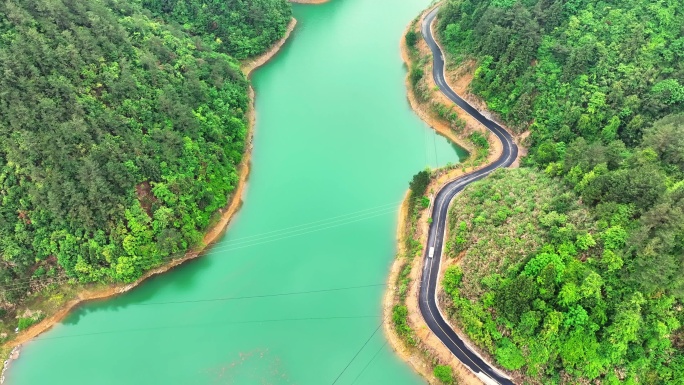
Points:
(406, 270)
(413, 228)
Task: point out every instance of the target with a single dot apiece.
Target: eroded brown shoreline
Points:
(212, 235)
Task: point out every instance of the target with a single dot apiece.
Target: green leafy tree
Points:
(443, 374)
(508, 355)
(411, 38)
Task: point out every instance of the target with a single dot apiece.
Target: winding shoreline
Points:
(212, 234)
(429, 349)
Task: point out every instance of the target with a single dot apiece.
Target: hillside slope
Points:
(119, 135)
(571, 270)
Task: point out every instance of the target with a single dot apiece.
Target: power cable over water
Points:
(259, 296)
(249, 241)
(369, 363)
(231, 322)
(323, 221)
(434, 142)
(261, 238)
(357, 353)
(220, 323)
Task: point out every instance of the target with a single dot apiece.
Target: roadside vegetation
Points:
(601, 70)
(419, 76)
(418, 201)
(570, 270)
(417, 206)
(121, 127)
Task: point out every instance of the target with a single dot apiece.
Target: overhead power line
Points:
(266, 237)
(357, 353)
(220, 323)
(259, 295)
(369, 362)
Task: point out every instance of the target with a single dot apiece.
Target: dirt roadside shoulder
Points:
(429, 350)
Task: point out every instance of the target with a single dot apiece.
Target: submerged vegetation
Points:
(570, 270)
(121, 127)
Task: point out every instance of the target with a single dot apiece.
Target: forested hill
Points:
(567, 68)
(242, 28)
(598, 296)
(120, 130)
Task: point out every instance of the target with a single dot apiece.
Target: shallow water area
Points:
(293, 291)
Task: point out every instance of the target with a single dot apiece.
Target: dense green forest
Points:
(120, 131)
(241, 28)
(602, 70)
(555, 288)
(573, 268)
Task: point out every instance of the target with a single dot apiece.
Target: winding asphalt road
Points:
(428, 295)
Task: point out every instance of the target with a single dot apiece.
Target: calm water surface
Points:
(335, 146)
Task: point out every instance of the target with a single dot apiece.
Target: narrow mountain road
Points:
(428, 294)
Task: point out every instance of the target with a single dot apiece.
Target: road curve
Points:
(428, 294)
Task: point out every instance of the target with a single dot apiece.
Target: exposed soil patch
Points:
(144, 193)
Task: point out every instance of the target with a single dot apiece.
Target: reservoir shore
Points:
(212, 234)
(428, 350)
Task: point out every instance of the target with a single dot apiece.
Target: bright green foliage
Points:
(600, 70)
(478, 140)
(508, 355)
(452, 279)
(119, 134)
(399, 318)
(586, 292)
(561, 290)
(416, 75)
(418, 187)
(25, 323)
(666, 138)
(480, 144)
(241, 28)
(443, 374)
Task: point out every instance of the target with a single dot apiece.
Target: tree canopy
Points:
(563, 292)
(242, 28)
(582, 277)
(120, 131)
(602, 70)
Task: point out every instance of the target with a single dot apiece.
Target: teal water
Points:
(336, 144)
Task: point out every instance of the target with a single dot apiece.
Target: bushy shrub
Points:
(411, 38)
(443, 374)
